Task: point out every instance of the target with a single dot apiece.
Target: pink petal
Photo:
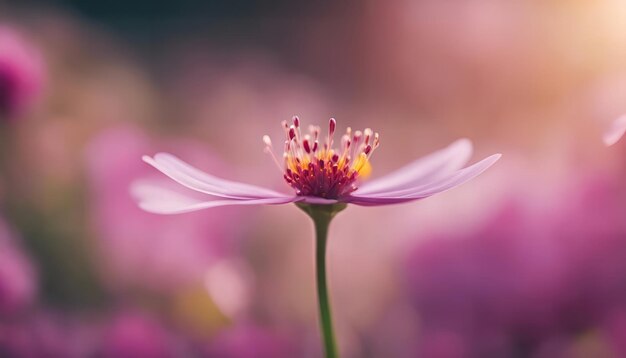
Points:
(423, 170)
(203, 182)
(425, 190)
(616, 131)
(158, 199)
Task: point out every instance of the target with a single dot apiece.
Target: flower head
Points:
(313, 167)
(319, 174)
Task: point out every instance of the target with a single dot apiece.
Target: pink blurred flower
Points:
(120, 333)
(21, 73)
(132, 334)
(318, 173)
(47, 334)
(17, 276)
(530, 280)
(139, 249)
(615, 132)
(249, 341)
(33, 337)
(615, 328)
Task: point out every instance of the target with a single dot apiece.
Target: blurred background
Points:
(527, 260)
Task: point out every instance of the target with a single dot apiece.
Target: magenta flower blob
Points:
(21, 73)
(318, 172)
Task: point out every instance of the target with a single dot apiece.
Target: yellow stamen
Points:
(362, 166)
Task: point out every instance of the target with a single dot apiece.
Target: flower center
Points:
(314, 168)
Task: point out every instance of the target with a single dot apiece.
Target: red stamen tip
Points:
(332, 124)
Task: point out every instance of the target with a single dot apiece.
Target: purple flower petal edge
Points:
(425, 189)
(200, 181)
(158, 199)
(426, 169)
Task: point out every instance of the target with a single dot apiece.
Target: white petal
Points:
(203, 182)
(159, 199)
(615, 131)
(423, 170)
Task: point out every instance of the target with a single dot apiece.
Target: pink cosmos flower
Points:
(21, 73)
(319, 173)
(615, 132)
(325, 179)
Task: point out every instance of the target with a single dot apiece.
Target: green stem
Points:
(322, 216)
(321, 231)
